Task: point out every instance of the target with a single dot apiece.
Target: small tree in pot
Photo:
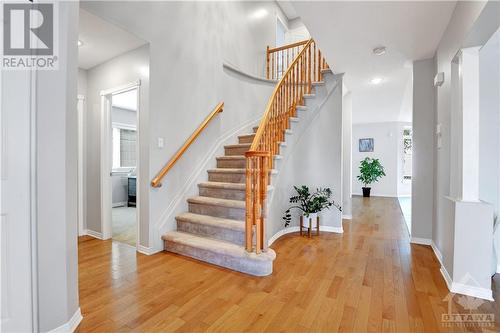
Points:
(310, 204)
(370, 171)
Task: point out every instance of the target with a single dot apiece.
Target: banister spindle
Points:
(296, 66)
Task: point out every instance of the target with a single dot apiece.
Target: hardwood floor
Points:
(369, 279)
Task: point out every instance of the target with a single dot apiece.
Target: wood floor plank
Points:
(368, 279)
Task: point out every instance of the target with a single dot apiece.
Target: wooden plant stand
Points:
(309, 228)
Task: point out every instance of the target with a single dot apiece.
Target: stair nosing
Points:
(218, 246)
(227, 170)
(238, 145)
(219, 222)
(229, 186)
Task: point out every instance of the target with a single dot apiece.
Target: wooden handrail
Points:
(295, 82)
(278, 58)
(156, 182)
(260, 130)
(288, 46)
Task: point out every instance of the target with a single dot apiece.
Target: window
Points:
(124, 148)
(407, 154)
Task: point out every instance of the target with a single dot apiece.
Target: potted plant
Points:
(370, 171)
(310, 204)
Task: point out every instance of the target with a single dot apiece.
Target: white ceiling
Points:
(287, 9)
(348, 31)
(102, 40)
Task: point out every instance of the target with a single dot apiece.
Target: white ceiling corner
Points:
(102, 40)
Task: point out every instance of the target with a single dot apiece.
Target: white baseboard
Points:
(282, 232)
(446, 277)
(421, 241)
(327, 228)
(460, 288)
(94, 234)
(346, 217)
(288, 230)
(119, 204)
(71, 325)
(483, 293)
(437, 253)
(146, 250)
(377, 195)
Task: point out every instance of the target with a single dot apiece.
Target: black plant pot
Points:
(366, 192)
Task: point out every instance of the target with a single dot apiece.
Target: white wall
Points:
(388, 149)
(189, 41)
(424, 110)
(297, 31)
(347, 154)
(461, 22)
(129, 67)
(56, 180)
(489, 126)
(82, 87)
(312, 157)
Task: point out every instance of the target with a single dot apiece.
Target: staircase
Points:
(213, 230)
(226, 224)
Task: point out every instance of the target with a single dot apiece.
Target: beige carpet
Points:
(124, 225)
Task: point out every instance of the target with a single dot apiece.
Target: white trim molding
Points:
(226, 64)
(377, 195)
(71, 325)
(421, 241)
(437, 253)
(282, 232)
(478, 292)
(289, 230)
(93, 233)
(460, 288)
(121, 89)
(347, 217)
(147, 250)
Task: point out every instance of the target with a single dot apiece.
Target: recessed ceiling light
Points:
(80, 43)
(376, 80)
(379, 50)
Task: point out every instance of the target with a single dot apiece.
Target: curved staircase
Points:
(213, 230)
(225, 224)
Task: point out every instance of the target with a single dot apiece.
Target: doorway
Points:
(120, 163)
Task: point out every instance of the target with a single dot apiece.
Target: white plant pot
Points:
(313, 218)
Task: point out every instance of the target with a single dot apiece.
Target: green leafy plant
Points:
(370, 171)
(309, 203)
